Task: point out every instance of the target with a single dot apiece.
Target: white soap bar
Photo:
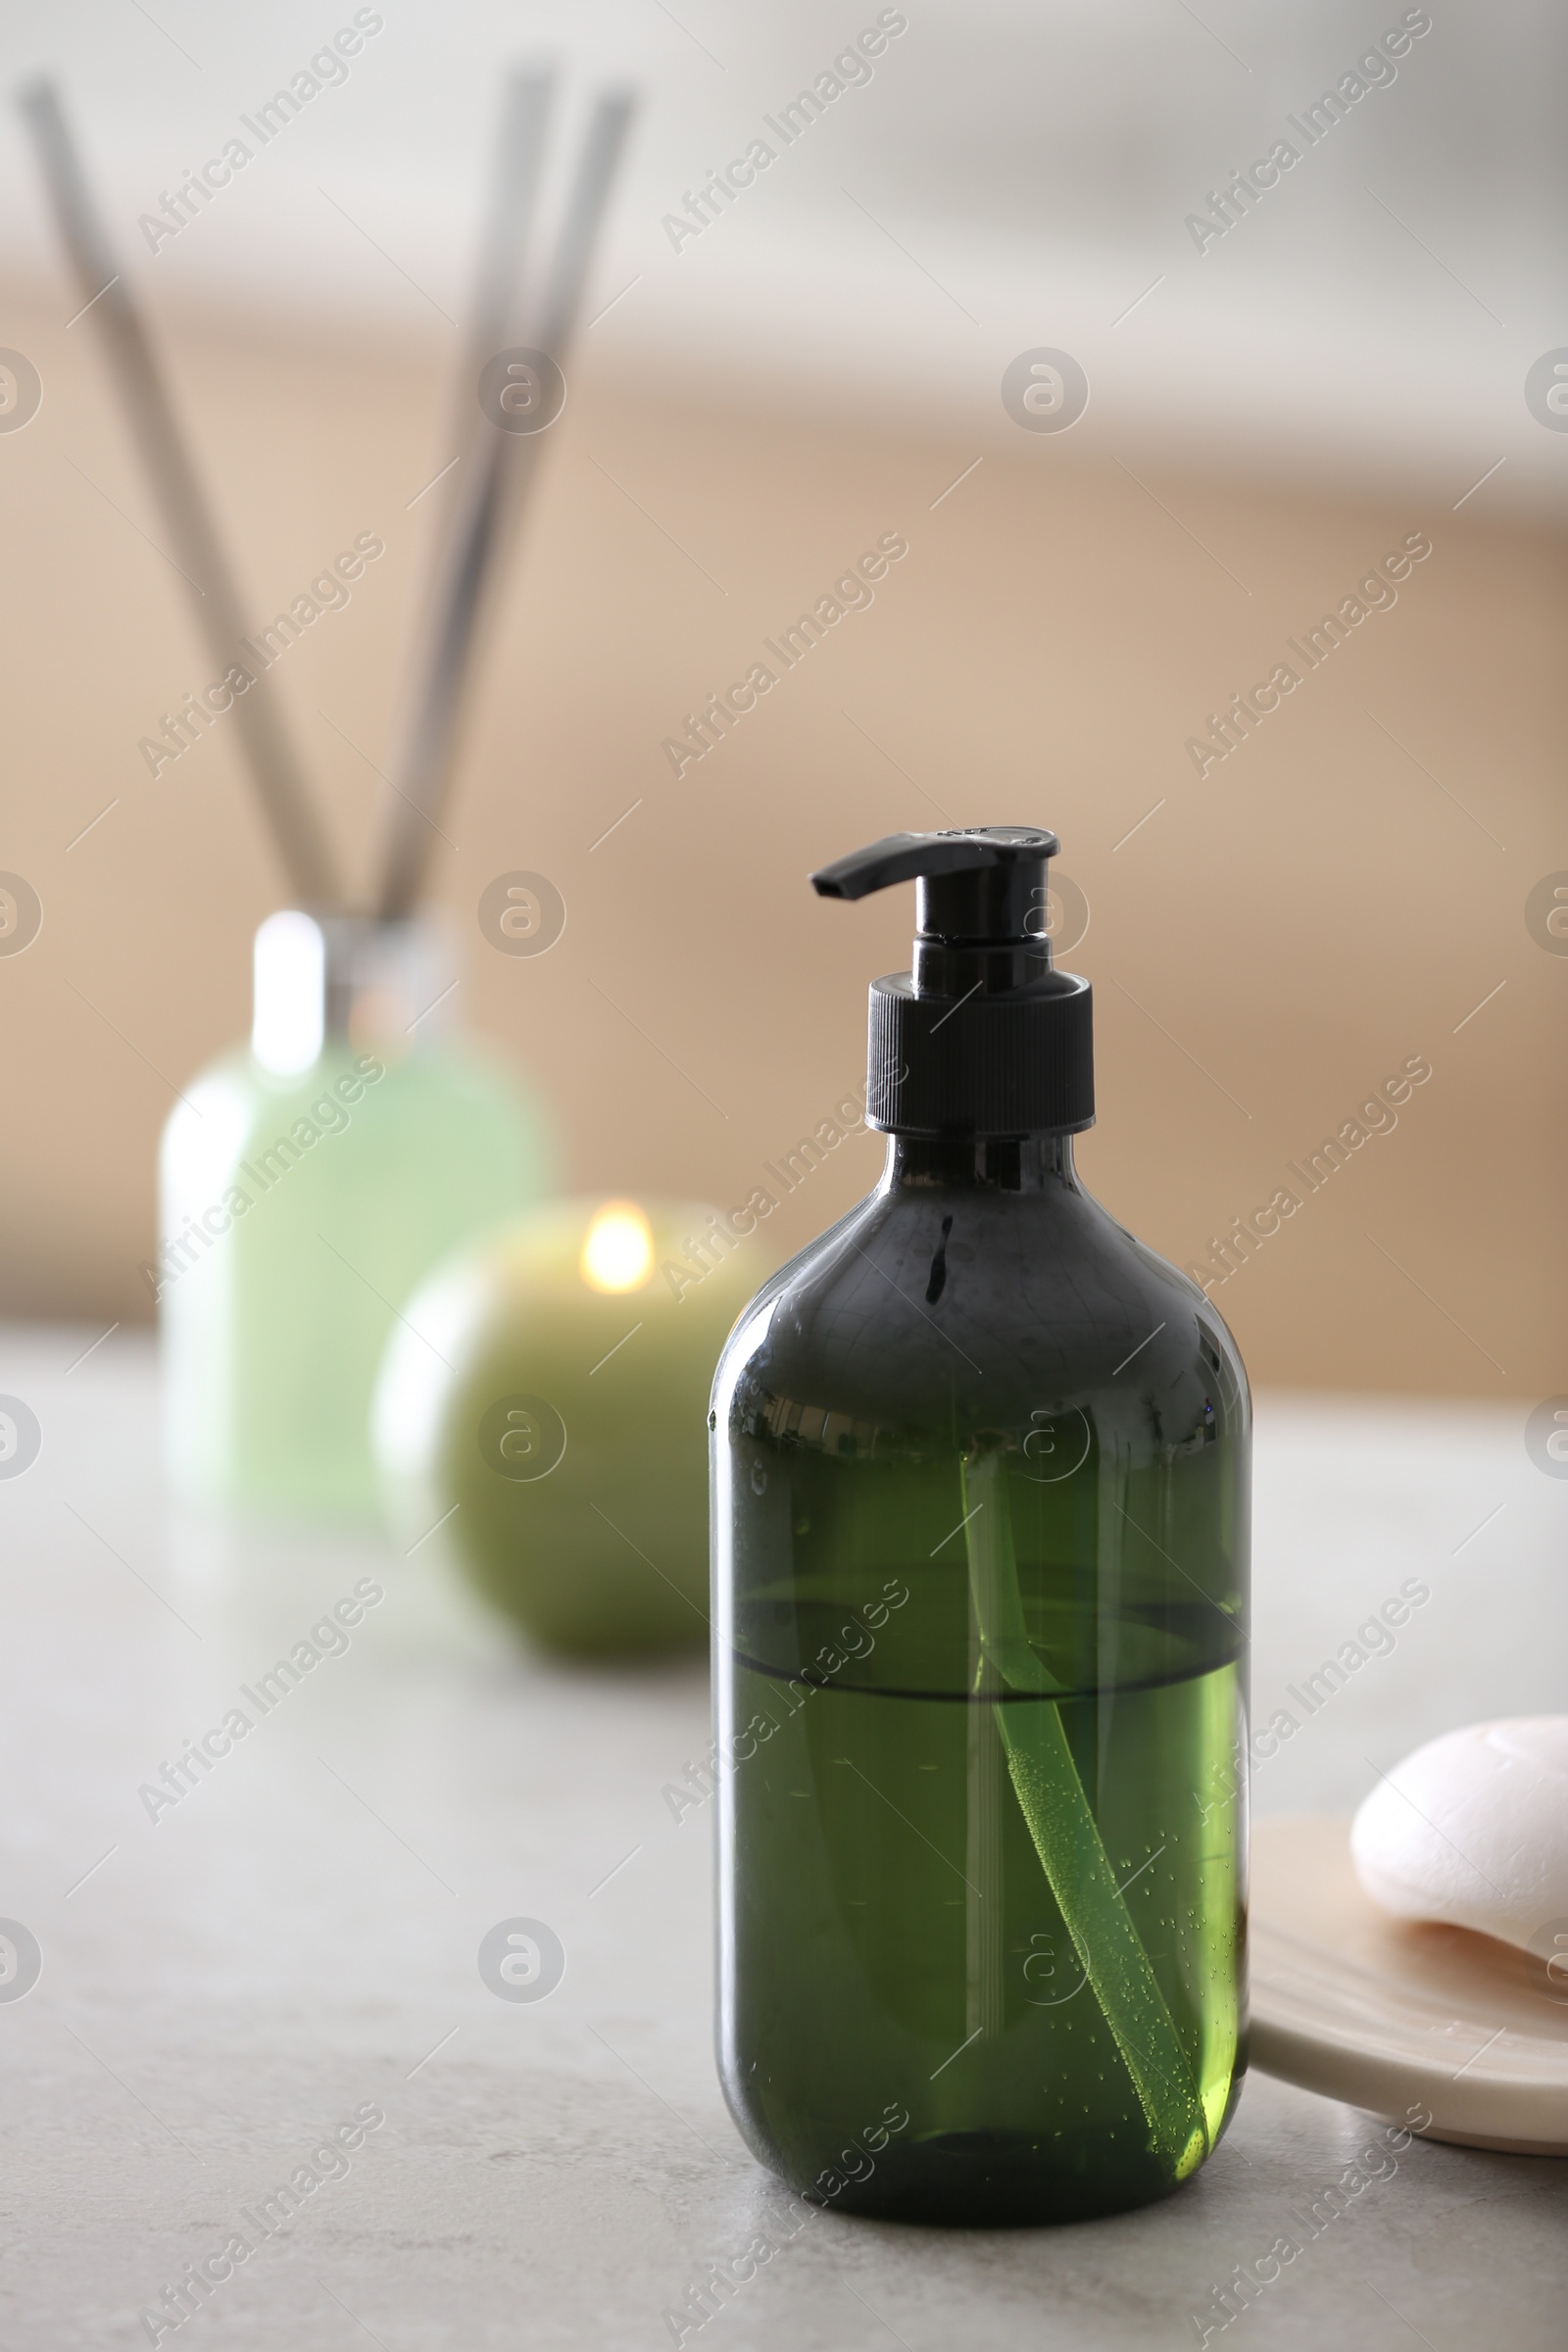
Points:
(1473, 1828)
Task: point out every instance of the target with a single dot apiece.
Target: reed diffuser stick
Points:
(504, 238)
(286, 806)
(487, 506)
(496, 304)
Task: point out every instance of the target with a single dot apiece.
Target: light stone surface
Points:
(299, 1935)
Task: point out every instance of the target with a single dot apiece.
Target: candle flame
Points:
(619, 1251)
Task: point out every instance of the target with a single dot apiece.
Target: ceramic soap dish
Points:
(1389, 2015)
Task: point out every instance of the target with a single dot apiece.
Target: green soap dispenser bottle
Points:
(980, 1521)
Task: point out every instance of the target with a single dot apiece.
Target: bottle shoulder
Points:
(977, 1305)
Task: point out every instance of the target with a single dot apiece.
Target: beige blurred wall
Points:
(1333, 899)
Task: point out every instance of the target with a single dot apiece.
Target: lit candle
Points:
(548, 1390)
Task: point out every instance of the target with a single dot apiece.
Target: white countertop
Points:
(297, 1938)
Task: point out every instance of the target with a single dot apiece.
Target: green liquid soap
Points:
(980, 1530)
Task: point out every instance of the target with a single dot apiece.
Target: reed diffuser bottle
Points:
(980, 1532)
(307, 1186)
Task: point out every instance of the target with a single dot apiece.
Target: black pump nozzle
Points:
(983, 1037)
(987, 883)
(975, 892)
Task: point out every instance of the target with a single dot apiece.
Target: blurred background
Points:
(1271, 411)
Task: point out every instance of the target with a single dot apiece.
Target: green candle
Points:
(548, 1390)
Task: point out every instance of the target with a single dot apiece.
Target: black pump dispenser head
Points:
(984, 1037)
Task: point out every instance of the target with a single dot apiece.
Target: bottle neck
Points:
(1035, 1163)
